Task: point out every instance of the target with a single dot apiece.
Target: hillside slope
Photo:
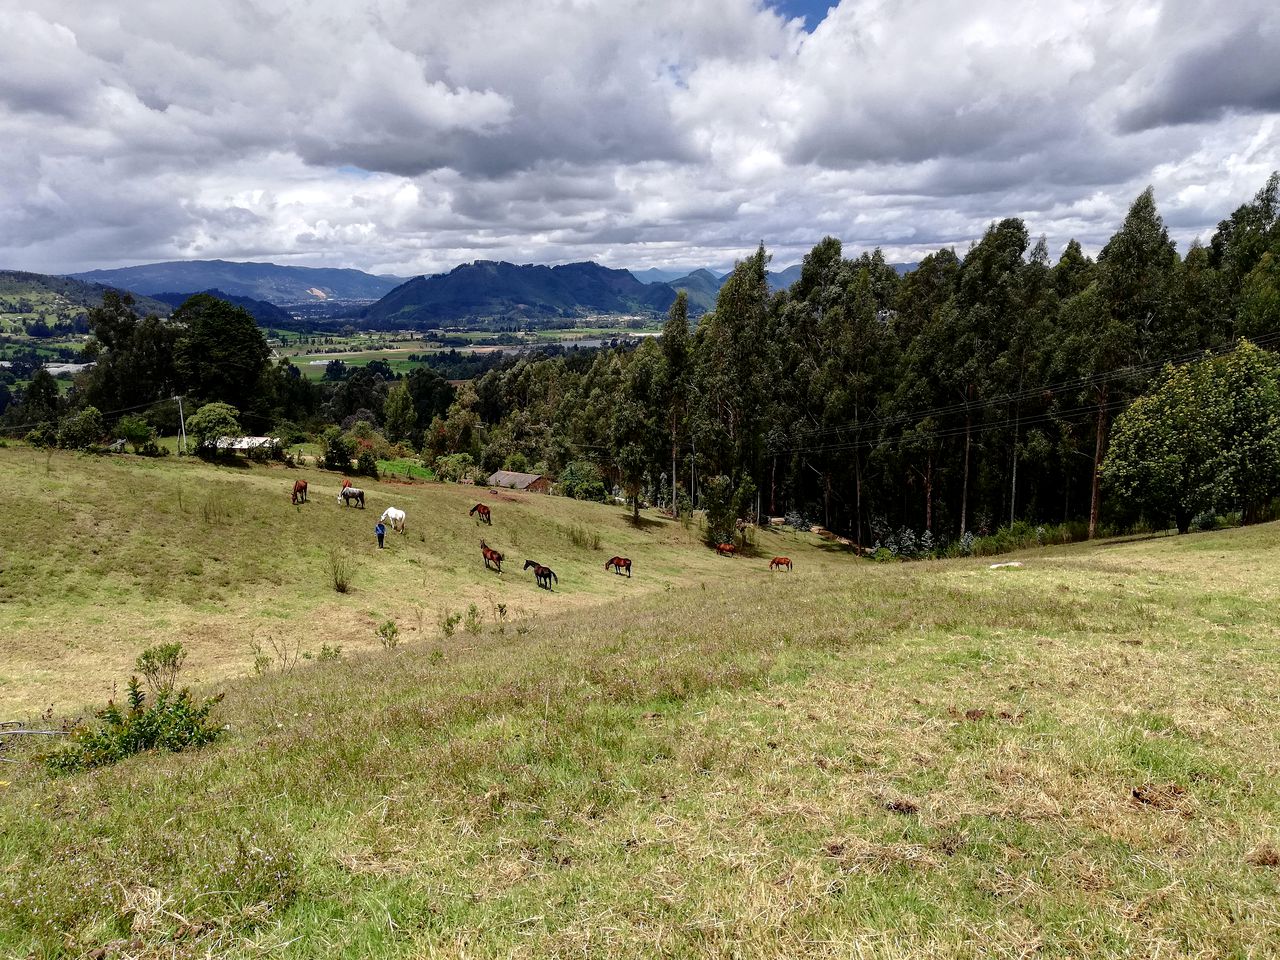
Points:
(139, 551)
(265, 313)
(42, 295)
(1075, 758)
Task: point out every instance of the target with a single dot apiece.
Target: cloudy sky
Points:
(406, 136)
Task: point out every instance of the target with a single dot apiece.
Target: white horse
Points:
(395, 516)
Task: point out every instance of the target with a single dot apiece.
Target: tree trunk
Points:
(1095, 500)
(964, 495)
(1013, 484)
(1182, 519)
(773, 488)
(928, 495)
(857, 500)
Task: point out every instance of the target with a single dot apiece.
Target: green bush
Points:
(389, 635)
(581, 480)
(335, 450)
(367, 465)
(137, 431)
(175, 721)
(455, 466)
(161, 665)
(80, 430)
(44, 435)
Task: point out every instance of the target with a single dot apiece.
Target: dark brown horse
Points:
(348, 494)
(491, 556)
(299, 491)
(541, 575)
(483, 512)
(778, 563)
(725, 549)
(619, 564)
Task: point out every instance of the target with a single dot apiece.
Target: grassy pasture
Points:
(106, 555)
(1080, 757)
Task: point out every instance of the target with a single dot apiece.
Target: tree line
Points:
(978, 390)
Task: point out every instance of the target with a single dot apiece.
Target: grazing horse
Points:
(542, 575)
(395, 516)
(777, 563)
(491, 556)
(483, 511)
(619, 564)
(347, 494)
(725, 549)
(299, 491)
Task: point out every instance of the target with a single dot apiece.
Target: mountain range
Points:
(499, 291)
(260, 281)
(472, 293)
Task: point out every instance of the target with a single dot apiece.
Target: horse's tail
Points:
(553, 576)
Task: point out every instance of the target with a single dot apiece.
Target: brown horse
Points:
(491, 556)
(348, 494)
(725, 549)
(619, 564)
(346, 482)
(299, 491)
(483, 511)
(777, 563)
(541, 575)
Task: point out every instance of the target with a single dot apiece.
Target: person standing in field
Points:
(381, 531)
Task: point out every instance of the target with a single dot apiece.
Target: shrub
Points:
(137, 431)
(448, 622)
(455, 466)
(160, 666)
(388, 635)
(335, 450)
(44, 435)
(472, 623)
(174, 721)
(581, 480)
(80, 430)
(328, 653)
(367, 465)
(341, 568)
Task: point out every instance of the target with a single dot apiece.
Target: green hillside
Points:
(38, 296)
(1073, 758)
(139, 551)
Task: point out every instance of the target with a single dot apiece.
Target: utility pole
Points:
(182, 427)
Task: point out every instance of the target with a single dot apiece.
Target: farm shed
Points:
(532, 482)
(248, 444)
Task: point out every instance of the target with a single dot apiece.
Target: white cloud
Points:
(405, 136)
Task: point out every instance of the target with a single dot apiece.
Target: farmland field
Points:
(1079, 757)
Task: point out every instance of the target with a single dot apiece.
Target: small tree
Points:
(210, 422)
(136, 431)
(80, 430)
(367, 465)
(336, 454)
(398, 414)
